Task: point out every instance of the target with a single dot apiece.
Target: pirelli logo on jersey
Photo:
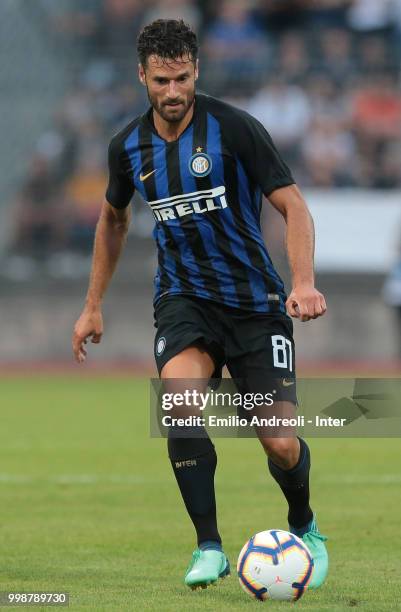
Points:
(189, 204)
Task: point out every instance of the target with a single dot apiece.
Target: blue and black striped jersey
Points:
(205, 192)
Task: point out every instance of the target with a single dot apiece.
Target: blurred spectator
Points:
(336, 59)
(282, 15)
(174, 9)
(388, 174)
(377, 123)
(285, 112)
(328, 152)
(77, 109)
(377, 109)
(84, 193)
(374, 57)
(396, 13)
(37, 229)
(91, 145)
(118, 25)
(79, 23)
(327, 13)
(327, 98)
(365, 16)
(235, 47)
(114, 108)
(293, 62)
(58, 146)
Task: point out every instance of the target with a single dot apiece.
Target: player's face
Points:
(170, 86)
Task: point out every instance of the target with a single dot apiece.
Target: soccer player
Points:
(202, 167)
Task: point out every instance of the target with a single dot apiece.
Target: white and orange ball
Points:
(275, 564)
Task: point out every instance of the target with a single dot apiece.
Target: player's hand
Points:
(89, 325)
(306, 303)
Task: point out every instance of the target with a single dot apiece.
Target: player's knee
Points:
(284, 452)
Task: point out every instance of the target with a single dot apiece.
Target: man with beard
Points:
(202, 166)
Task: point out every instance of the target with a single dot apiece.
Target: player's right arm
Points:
(111, 231)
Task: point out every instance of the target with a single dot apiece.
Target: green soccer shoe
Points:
(206, 567)
(315, 542)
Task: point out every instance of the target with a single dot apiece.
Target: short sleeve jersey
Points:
(205, 192)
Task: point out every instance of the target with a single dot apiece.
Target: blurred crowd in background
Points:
(323, 76)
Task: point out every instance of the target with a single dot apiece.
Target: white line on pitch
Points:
(134, 479)
(76, 479)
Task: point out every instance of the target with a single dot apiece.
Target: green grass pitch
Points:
(89, 505)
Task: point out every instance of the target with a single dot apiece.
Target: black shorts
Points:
(257, 348)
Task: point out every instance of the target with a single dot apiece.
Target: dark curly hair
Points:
(167, 38)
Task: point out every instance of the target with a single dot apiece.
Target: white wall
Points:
(356, 230)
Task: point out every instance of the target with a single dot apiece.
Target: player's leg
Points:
(288, 456)
(266, 363)
(289, 464)
(191, 452)
(194, 463)
(188, 351)
(288, 460)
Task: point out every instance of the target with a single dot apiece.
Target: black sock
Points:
(294, 483)
(194, 463)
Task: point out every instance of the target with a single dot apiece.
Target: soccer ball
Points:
(275, 564)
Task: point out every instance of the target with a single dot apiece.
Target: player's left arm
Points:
(267, 170)
(305, 301)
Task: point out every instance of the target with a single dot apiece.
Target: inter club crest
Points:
(200, 164)
(161, 345)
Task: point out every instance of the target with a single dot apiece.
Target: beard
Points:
(172, 114)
